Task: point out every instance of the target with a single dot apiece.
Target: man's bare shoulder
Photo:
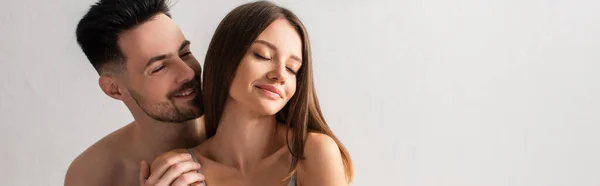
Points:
(100, 164)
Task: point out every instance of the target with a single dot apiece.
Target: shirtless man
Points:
(144, 60)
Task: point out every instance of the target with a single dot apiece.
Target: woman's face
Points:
(265, 79)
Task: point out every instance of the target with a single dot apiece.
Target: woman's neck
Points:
(244, 138)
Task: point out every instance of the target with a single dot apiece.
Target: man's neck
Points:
(153, 138)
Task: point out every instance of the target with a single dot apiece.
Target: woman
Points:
(262, 116)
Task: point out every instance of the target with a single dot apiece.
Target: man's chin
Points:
(192, 110)
(184, 117)
(190, 107)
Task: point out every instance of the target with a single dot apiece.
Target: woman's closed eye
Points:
(261, 57)
(291, 70)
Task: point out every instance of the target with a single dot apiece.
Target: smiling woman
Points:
(262, 115)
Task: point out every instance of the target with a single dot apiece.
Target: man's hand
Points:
(171, 169)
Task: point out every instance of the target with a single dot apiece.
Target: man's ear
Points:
(110, 87)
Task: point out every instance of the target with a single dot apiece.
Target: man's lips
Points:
(185, 93)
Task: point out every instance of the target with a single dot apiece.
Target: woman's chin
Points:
(270, 110)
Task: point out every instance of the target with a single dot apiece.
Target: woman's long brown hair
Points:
(232, 38)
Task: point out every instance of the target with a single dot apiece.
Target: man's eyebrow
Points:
(164, 56)
(155, 59)
(184, 44)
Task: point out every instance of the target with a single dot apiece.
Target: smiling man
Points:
(143, 60)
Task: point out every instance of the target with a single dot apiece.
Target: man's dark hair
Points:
(99, 29)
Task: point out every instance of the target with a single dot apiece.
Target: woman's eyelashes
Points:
(291, 70)
(262, 57)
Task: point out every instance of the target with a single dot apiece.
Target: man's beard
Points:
(168, 111)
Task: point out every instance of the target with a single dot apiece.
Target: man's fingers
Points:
(166, 164)
(198, 184)
(178, 170)
(189, 178)
(144, 171)
(168, 161)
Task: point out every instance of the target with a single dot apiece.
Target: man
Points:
(144, 60)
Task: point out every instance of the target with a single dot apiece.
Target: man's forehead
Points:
(157, 36)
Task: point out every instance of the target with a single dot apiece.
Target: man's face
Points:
(162, 76)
